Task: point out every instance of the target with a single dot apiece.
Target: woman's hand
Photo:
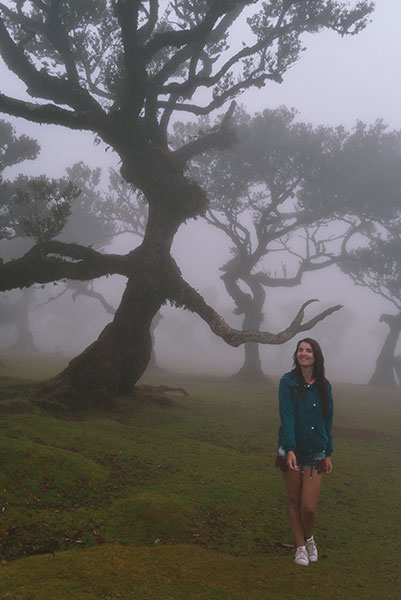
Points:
(329, 466)
(292, 461)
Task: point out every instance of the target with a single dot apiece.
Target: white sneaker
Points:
(301, 556)
(312, 550)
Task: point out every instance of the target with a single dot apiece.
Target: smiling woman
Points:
(305, 442)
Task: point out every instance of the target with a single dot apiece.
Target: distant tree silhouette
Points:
(378, 268)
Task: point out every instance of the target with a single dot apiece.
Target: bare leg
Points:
(310, 489)
(293, 483)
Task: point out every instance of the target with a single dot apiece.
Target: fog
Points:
(336, 81)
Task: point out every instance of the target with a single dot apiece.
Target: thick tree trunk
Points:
(251, 370)
(397, 368)
(251, 306)
(24, 342)
(384, 372)
(118, 358)
(17, 313)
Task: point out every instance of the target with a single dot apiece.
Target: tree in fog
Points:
(35, 208)
(38, 209)
(14, 150)
(376, 264)
(292, 199)
(121, 69)
(105, 208)
(78, 208)
(379, 269)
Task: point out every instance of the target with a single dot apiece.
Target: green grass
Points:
(182, 500)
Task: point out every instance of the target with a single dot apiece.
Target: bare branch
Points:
(238, 234)
(180, 57)
(91, 84)
(146, 30)
(187, 297)
(28, 24)
(187, 87)
(53, 298)
(90, 293)
(220, 138)
(81, 291)
(39, 83)
(218, 101)
(58, 36)
(179, 38)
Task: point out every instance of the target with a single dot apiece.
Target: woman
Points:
(305, 442)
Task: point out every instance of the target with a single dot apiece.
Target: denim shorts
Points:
(314, 461)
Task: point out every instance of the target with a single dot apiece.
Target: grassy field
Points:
(179, 498)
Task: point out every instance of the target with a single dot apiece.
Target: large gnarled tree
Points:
(122, 69)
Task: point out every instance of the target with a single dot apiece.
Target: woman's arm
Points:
(287, 408)
(329, 424)
(329, 465)
(292, 461)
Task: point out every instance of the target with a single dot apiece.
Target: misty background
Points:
(336, 82)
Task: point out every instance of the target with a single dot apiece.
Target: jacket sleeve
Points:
(329, 424)
(287, 408)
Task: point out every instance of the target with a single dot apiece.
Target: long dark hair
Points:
(318, 373)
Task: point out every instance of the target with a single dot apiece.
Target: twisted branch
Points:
(57, 260)
(186, 296)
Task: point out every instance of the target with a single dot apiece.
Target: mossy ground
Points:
(181, 500)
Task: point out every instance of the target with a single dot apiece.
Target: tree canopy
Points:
(13, 150)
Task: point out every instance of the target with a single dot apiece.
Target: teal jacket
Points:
(303, 427)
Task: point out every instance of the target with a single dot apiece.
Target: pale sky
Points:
(340, 80)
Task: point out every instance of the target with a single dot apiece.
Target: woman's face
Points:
(305, 355)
